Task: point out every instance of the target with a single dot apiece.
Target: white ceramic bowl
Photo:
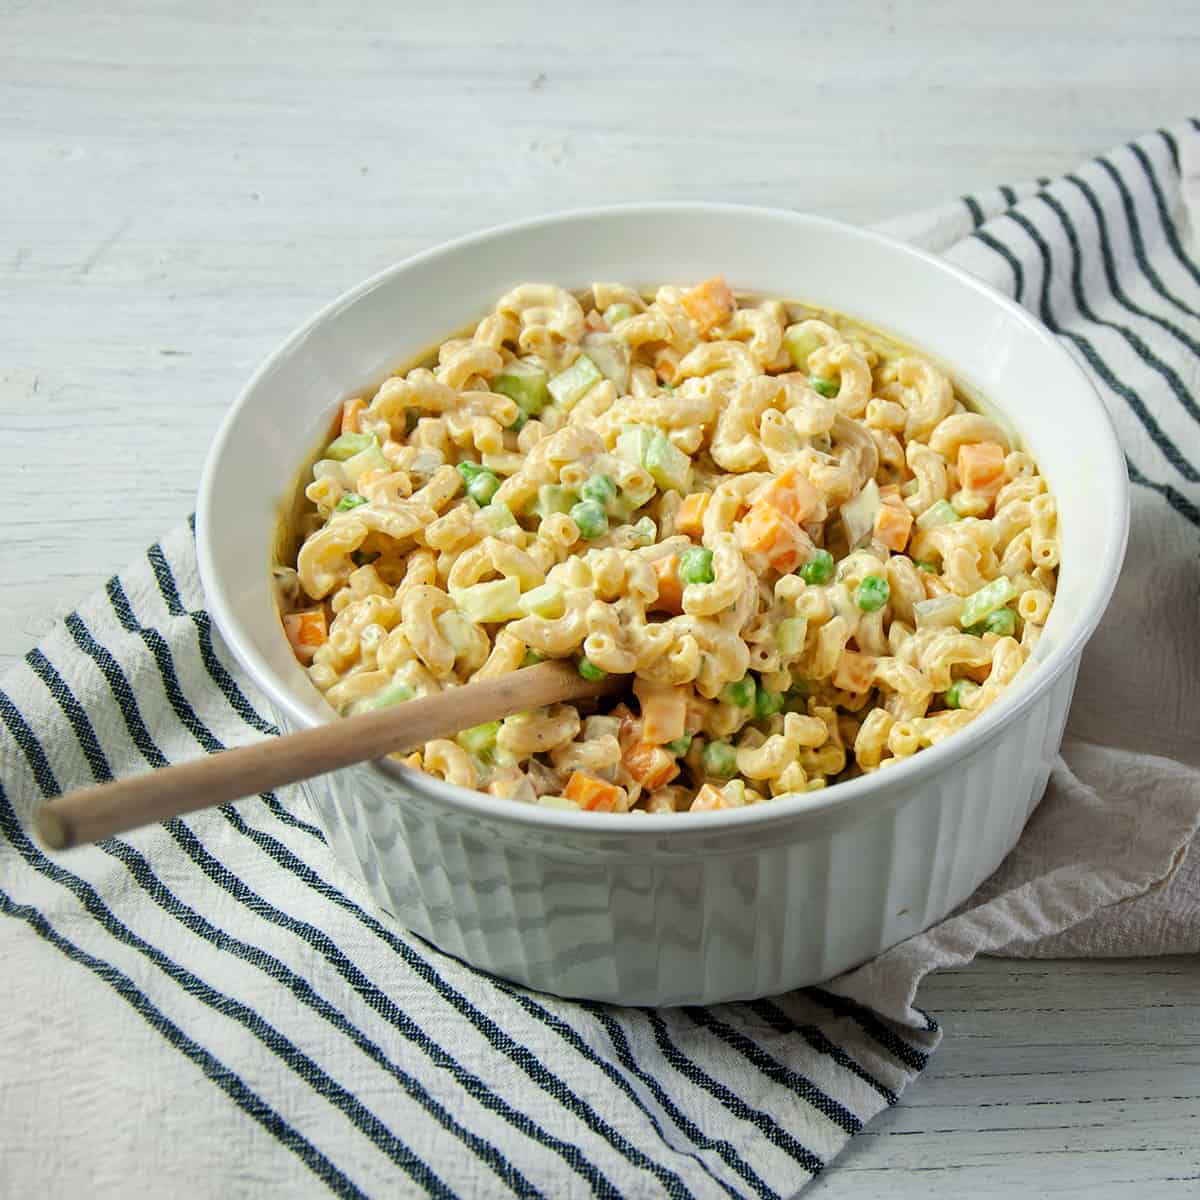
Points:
(688, 908)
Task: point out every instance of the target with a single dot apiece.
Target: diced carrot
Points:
(592, 794)
(709, 303)
(792, 495)
(893, 523)
(650, 765)
(664, 710)
(690, 517)
(306, 631)
(670, 590)
(854, 672)
(595, 321)
(765, 530)
(350, 411)
(981, 467)
(707, 799)
(666, 364)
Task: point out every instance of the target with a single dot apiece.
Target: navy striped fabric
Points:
(214, 1001)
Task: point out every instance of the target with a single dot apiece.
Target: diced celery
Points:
(984, 602)
(680, 745)
(612, 356)
(556, 802)
(941, 513)
(455, 629)
(394, 693)
(480, 740)
(858, 514)
(526, 384)
(554, 498)
(369, 459)
(545, 600)
(633, 442)
(570, 386)
(668, 465)
(939, 611)
(347, 445)
(498, 600)
(496, 517)
(800, 343)
(790, 636)
(614, 314)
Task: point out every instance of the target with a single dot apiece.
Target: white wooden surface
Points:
(182, 184)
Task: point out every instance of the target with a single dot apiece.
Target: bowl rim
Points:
(796, 807)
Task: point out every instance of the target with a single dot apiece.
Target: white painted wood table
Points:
(184, 184)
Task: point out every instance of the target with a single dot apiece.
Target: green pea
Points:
(824, 387)
(591, 519)
(696, 565)
(872, 594)
(601, 489)
(767, 704)
(819, 568)
(350, 500)
(720, 760)
(680, 745)
(956, 694)
(1002, 622)
(589, 671)
(741, 692)
(482, 483)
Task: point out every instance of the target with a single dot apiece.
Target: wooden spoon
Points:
(98, 812)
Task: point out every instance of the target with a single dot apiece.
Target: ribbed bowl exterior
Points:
(665, 920)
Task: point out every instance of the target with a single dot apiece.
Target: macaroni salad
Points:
(811, 557)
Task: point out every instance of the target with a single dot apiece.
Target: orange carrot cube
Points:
(792, 495)
(709, 303)
(306, 631)
(981, 467)
(670, 590)
(690, 517)
(664, 710)
(708, 799)
(855, 672)
(592, 794)
(893, 523)
(766, 531)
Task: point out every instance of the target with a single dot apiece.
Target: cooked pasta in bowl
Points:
(809, 554)
(843, 516)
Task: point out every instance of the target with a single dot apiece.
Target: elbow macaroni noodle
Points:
(812, 555)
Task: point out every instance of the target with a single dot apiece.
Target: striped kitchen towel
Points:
(212, 1006)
